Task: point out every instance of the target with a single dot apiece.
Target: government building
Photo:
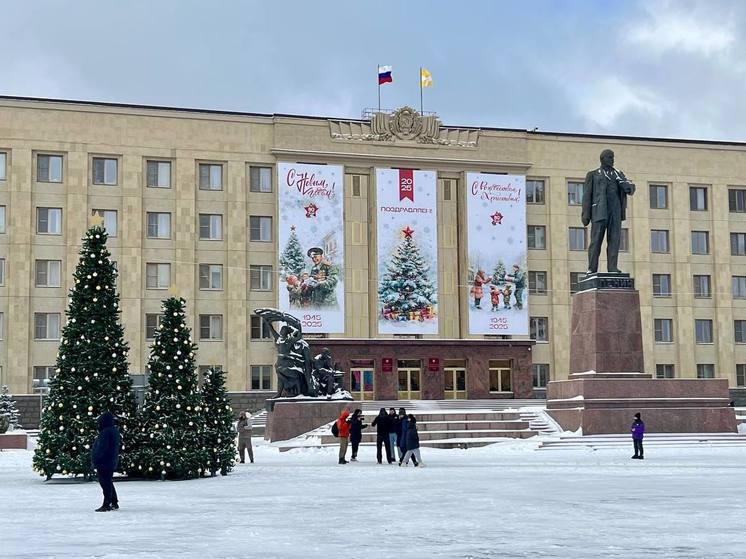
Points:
(189, 198)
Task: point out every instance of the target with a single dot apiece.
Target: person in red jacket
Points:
(343, 426)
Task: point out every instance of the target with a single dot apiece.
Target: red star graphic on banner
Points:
(311, 210)
(497, 218)
(407, 232)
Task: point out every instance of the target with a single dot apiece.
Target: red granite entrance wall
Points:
(476, 353)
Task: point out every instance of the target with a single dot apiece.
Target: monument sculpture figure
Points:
(605, 207)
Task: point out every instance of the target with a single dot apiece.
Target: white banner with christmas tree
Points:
(311, 245)
(497, 275)
(407, 251)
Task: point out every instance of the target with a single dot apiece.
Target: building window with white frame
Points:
(541, 374)
(2, 271)
(152, 324)
(664, 370)
(261, 377)
(624, 240)
(159, 225)
(105, 170)
(534, 191)
(260, 277)
(738, 244)
(659, 241)
(703, 331)
(48, 273)
(211, 327)
(259, 328)
(42, 376)
(47, 326)
(539, 328)
(537, 283)
(210, 227)
(575, 193)
(702, 286)
(741, 374)
(2, 219)
(158, 174)
(700, 242)
(698, 198)
(260, 228)
(260, 179)
(661, 285)
(500, 375)
(211, 276)
(737, 200)
(577, 238)
(658, 196)
(738, 285)
(537, 237)
(705, 370)
(210, 176)
(157, 275)
(2, 326)
(48, 168)
(3, 165)
(49, 221)
(110, 220)
(663, 330)
(739, 329)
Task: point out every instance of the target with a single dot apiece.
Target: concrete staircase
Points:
(655, 440)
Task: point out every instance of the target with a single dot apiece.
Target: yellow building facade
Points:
(190, 197)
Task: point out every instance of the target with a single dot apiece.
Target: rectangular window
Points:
(157, 275)
(447, 188)
(42, 376)
(260, 277)
(3, 165)
(577, 238)
(159, 174)
(47, 326)
(211, 327)
(703, 331)
(110, 220)
(259, 328)
(210, 176)
(105, 170)
(658, 196)
(738, 284)
(575, 278)
(211, 276)
(356, 187)
(537, 237)
(159, 225)
(739, 328)
(2, 326)
(738, 244)
(260, 228)
(539, 328)
(49, 168)
(705, 370)
(499, 375)
(575, 193)
(152, 324)
(260, 179)
(702, 286)
(261, 376)
(698, 198)
(2, 271)
(537, 283)
(737, 200)
(700, 242)
(210, 227)
(2, 219)
(659, 240)
(741, 375)
(661, 285)
(534, 191)
(624, 240)
(48, 273)
(664, 371)
(49, 221)
(663, 328)
(541, 374)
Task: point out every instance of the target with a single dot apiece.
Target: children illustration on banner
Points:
(501, 286)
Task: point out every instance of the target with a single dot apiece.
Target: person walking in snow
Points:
(402, 434)
(245, 428)
(394, 429)
(104, 457)
(638, 430)
(356, 432)
(413, 444)
(343, 432)
(382, 423)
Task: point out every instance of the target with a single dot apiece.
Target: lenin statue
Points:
(605, 205)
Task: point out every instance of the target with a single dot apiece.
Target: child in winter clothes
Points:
(477, 291)
(638, 430)
(413, 444)
(495, 297)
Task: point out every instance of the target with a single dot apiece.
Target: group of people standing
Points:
(393, 431)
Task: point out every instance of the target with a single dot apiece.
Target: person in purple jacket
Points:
(638, 430)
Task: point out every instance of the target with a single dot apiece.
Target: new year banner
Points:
(407, 251)
(311, 245)
(498, 279)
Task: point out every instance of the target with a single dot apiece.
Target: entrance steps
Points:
(659, 440)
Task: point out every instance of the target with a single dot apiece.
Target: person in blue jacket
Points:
(638, 431)
(401, 435)
(104, 457)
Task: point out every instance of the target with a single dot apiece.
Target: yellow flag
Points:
(426, 78)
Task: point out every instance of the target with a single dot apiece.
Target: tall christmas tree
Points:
(8, 408)
(220, 436)
(91, 376)
(406, 286)
(292, 260)
(170, 442)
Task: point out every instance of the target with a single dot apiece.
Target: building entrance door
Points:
(361, 383)
(454, 387)
(409, 378)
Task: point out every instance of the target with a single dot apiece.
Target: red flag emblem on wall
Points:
(406, 184)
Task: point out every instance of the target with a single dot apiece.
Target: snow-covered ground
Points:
(502, 501)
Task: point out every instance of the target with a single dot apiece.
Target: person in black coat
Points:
(401, 434)
(413, 444)
(382, 423)
(356, 431)
(104, 457)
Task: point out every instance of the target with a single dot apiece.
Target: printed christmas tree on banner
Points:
(91, 376)
(8, 409)
(498, 275)
(292, 261)
(220, 436)
(406, 290)
(172, 425)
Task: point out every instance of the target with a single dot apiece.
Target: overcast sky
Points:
(651, 68)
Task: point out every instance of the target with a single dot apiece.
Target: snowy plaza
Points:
(505, 500)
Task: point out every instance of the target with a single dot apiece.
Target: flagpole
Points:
(379, 89)
(421, 111)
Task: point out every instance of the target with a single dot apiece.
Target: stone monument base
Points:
(290, 417)
(13, 439)
(605, 403)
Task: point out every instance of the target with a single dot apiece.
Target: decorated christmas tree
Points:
(8, 408)
(498, 275)
(292, 261)
(170, 441)
(220, 436)
(91, 375)
(406, 290)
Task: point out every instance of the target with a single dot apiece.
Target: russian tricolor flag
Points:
(384, 75)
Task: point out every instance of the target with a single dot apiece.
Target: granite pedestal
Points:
(13, 439)
(290, 417)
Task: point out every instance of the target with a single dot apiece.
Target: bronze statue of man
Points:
(605, 205)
